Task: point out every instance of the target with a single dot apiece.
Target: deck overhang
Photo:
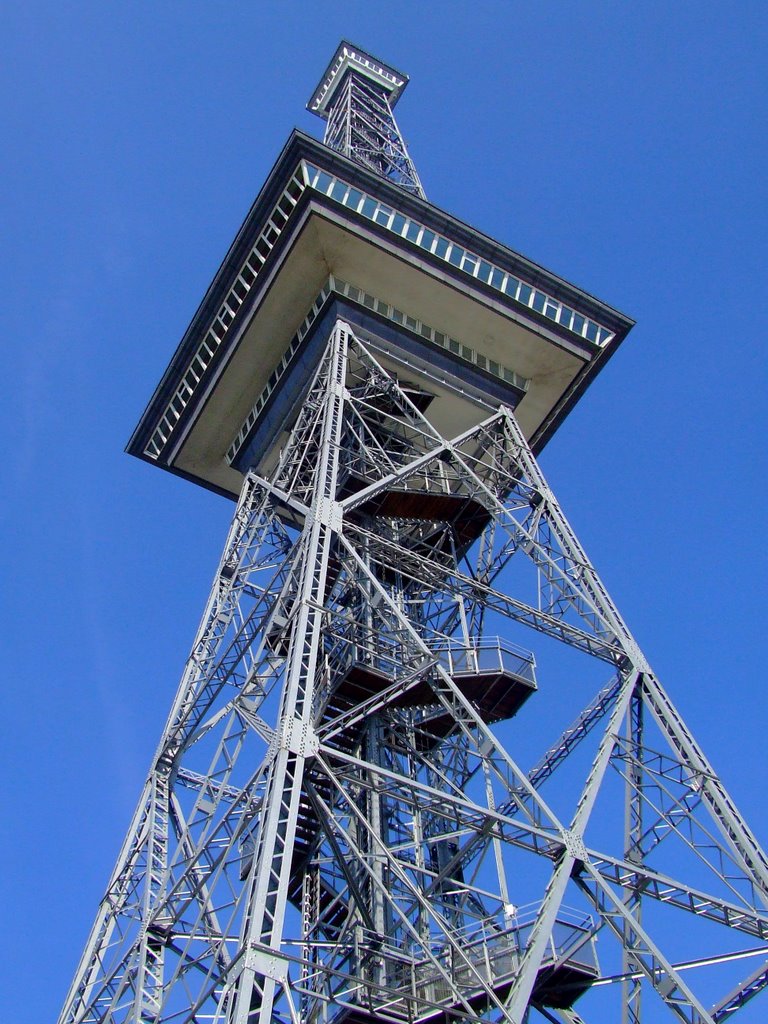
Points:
(324, 224)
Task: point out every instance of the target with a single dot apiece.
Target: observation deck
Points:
(327, 237)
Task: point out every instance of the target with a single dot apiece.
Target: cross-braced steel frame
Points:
(333, 828)
(361, 125)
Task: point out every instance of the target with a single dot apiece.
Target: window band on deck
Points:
(451, 252)
(309, 176)
(226, 314)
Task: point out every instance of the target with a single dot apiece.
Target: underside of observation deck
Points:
(325, 229)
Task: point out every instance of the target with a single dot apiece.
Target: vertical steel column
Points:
(633, 832)
(261, 938)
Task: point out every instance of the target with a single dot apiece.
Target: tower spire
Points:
(355, 97)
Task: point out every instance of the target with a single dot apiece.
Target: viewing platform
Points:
(496, 676)
(328, 237)
(420, 986)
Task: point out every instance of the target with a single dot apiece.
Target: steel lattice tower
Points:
(335, 827)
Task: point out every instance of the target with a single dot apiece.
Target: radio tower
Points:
(335, 828)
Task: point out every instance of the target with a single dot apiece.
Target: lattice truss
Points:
(334, 828)
(361, 125)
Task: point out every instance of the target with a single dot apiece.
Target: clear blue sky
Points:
(621, 145)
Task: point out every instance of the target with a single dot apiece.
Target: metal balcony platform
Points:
(423, 991)
(494, 675)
